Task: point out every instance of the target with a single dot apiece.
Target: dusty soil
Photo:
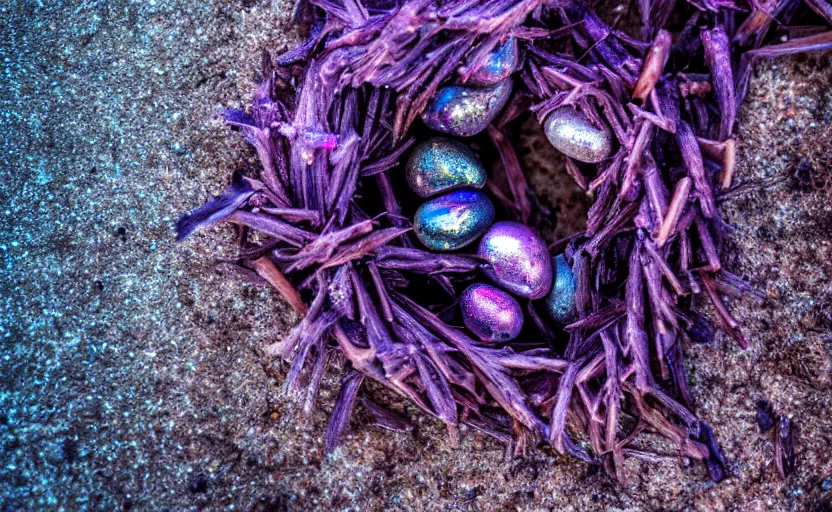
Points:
(130, 376)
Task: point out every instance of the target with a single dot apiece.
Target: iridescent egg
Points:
(453, 220)
(560, 303)
(518, 259)
(498, 66)
(464, 111)
(572, 133)
(490, 313)
(440, 164)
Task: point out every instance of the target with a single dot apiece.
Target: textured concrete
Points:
(129, 369)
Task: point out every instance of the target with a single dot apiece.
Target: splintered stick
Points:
(729, 164)
(269, 271)
(724, 152)
(653, 65)
(674, 211)
(717, 51)
(692, 157)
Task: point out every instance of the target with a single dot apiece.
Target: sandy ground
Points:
(130, 377)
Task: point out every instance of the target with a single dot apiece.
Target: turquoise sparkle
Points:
(453, 220)
(440, 165)
(560, 303)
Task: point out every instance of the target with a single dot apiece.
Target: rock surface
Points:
(130, 376)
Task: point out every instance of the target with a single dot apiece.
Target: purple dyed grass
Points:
(324, 225)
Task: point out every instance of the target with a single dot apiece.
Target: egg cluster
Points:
(449, 175)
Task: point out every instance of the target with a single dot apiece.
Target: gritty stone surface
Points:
(130, 376)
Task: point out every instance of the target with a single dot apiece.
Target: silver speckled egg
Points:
(453, 220)
(571, 133)
(441, 164)
(518, 259)
(490, 313)
(560, 303)
(465, 111)
(498, 66)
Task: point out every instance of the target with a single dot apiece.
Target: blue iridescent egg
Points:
(441, 164)
(498, 66)
(518, 259)
(490, 313)
(465, 111)
(453, 220)
(560, 303)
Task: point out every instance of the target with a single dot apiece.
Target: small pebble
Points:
(198, 484)
(765, 416)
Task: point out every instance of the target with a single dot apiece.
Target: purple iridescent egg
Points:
(497, 66)
(518, 259)
(490, 313)
(465, 111)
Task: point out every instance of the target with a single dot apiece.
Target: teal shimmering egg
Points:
(560, 303)
(440, 165)
(498, 66)
(453, 220)
(465, 111)
(574, 135)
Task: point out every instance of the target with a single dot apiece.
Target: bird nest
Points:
(331, 223)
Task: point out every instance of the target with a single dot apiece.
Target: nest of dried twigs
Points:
(325, 225)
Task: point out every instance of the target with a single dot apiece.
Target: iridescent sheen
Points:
(498, 66)
(440, 164)
(490, 313)
(571, 133)
(453, 220)
(465, 111)
(518, 259)
(560, 303)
